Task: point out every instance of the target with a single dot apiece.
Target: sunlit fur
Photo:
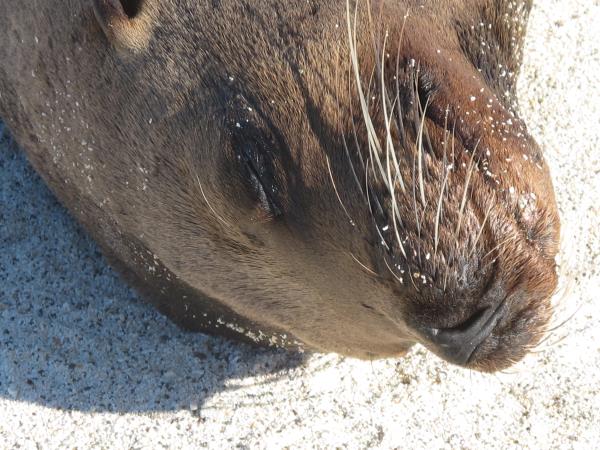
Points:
(490, 247)
(403, 190)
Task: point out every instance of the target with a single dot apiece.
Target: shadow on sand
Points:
(74, 336)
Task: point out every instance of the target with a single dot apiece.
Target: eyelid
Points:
(426, 84)
(258, 186)
(252, 140)
(251, 161)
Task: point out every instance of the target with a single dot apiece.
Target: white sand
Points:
(84, 363)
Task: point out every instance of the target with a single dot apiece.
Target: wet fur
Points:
(136, 131)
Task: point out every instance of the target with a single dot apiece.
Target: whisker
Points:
(446, 136)
(339, 120)
(372, 139)
(210, 206)
(372, 272)
(387, 119)
(354, 175)
(563, 323)
(374, 144)
(337, 193)
(537, 349)
(382, 239)
(487, 214)
(467, 183)
(453, 137)
(354, 133)
(420, 153)
(414, 192)
(400, 123)
(439, 214)
(392, 184)
(508, 239)
(392, 271)
(398, 238)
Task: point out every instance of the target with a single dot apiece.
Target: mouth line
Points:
(493, 318)
(489, 325)
(459, 345)
(493, 322)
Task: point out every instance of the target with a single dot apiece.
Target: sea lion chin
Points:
(340, 176)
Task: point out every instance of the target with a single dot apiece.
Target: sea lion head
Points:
(354, 174)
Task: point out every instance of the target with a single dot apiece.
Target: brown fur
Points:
(153, 123)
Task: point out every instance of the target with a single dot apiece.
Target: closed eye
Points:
(253, 143)
(256, 175)
(426, 87)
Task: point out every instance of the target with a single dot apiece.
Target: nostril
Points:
(457, 344)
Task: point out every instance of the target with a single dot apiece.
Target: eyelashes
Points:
(252, 143)
(426, 87)
(260, 179)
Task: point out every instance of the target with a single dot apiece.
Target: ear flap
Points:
(126, 23)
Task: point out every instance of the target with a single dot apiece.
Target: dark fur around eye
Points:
(260, 178)
(252, 144)
(426, 86)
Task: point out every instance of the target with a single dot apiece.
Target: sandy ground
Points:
(84, 363)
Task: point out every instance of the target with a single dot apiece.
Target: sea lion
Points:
(347, 177)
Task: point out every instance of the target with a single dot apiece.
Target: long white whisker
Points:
(481, 230)
(466, 190)
(374, 145)
(372, 272)
(420, 153)
(388, 118)
(392, 272)
(439, 213)
(400, 123)
(210, 206)
(382, 239)
(375, 149)
(354, 175)
(508, 239)
(338, 194)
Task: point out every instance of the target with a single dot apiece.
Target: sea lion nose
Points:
(457, 344)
